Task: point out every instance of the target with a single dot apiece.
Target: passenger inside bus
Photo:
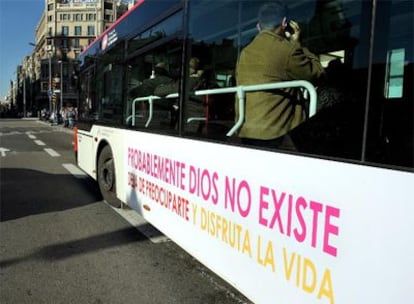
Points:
(196, 80)
(196, 105)
(159, 76)
(275, 55)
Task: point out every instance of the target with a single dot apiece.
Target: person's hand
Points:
(295, 34)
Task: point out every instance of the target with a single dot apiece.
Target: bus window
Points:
(337, 31)
(213, 35)
(145, 73)
(88, 107)
(101, 89)
(154, 61)
(390, 136)
(110, 92)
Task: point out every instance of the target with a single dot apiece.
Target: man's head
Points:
(271, 15)
(161, 69)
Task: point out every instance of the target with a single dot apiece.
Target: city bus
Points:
(327, 220)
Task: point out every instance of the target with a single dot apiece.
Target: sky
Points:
(18, 21)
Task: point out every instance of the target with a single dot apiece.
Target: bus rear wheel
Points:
(106, 177)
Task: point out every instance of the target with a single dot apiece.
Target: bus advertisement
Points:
(323, 217)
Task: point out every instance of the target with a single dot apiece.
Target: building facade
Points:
(63, 32)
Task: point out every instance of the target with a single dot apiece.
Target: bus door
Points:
(88, 113)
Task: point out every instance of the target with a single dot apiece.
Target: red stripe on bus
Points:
(114, 24)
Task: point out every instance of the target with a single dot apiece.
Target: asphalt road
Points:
(60, 243)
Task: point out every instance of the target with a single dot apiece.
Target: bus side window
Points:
(146, 74)
(88, 107)
(337, 31)
(216, 47)
(390, 136)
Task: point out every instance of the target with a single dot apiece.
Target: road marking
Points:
(132, 217)
(75, 171)
(3, 151)
(52, 152)
(40, 143)
(31, 136)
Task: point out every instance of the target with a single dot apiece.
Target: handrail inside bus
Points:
(241, 92)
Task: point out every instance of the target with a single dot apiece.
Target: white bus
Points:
(329, 221)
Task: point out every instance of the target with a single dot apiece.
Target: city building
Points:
(65, 29)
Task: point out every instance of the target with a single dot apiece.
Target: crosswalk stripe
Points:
(40, 143)
(52, 152)
(75, 171)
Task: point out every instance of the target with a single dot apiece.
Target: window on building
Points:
(50, 31)
(64, 17)
(64, 43)
(108, 17)
(91, 30)
(76, 43)
(108, 6)
(91, 17)
(50, 18)
(65, 30)
(50, 7)
(78, 30)
(77, 17)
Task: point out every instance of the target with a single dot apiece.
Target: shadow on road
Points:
(27, 192)
(79, 247)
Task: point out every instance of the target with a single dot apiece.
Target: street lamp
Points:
(61, 85)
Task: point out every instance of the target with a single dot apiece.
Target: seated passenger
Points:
(195, 105)
(196, 81)
(274, 55)
(147, 87)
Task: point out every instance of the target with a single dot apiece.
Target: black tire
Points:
(106, 177)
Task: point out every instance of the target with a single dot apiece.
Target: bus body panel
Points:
(90, 142)
(85, 153)
(308, 230)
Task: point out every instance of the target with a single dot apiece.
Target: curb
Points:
(53, 125)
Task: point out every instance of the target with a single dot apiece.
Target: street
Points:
(61, 243)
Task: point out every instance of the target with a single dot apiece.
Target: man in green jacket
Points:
(274, 55)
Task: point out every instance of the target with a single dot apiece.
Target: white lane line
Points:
(31, 136)
(40, 143)
(75, 171)
(52, 152)
(132, 217)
